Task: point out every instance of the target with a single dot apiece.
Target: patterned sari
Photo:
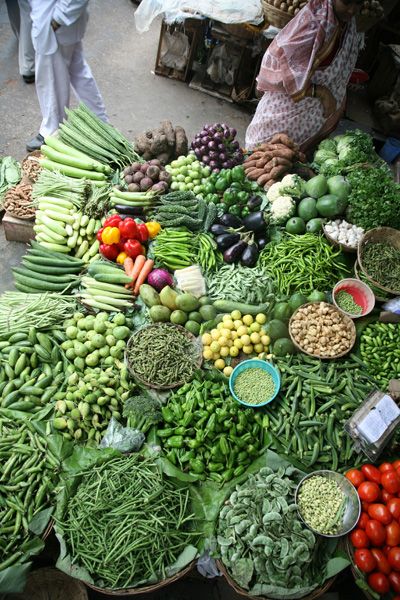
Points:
(311, 49)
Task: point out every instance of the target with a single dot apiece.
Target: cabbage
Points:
(322, 155)
(339, 186)
(346, 142)
(329, 145)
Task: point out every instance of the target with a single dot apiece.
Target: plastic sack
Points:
(174, 50)
(122, 438)
(207, 566)
(223, 65)
(225, 11)
(393, 306)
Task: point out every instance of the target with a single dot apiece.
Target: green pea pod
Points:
(13, 357)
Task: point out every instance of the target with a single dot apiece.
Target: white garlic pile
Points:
(344, 232)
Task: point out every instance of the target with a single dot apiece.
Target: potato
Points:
(283, 6)
(291, 10)
(296, 10)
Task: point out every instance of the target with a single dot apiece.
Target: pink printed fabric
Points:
(277, 111)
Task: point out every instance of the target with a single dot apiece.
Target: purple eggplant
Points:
(230, 221)
(261, 241)
(218, 229)
(234, 253)
(254, 202)
(255, 221)
(226, 240)
(250, 256)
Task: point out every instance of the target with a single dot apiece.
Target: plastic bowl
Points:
(361, 293)
(352, 509)
(255, 363)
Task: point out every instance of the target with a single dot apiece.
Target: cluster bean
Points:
(207, 433)
(322, 503)
(163, 355)
(382, 263)
(305, 421)
(303, 263)
(126, 523)
(380, 350)
(254, 386)
(346, 302)
(240, 284)
(261, 538)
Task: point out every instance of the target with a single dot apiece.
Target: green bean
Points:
(382, 263)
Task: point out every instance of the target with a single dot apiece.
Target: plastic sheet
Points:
(226, 11)
(123, 439)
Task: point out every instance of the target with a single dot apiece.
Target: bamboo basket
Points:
(31, 167)
(315, 594)
(148, 589)
(274, 16)
(51, 584)
(344, 318)
(357, 276)
(375, 236)
(339, 245)
(131, 369)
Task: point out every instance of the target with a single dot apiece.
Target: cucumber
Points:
(227, 306)
(100, 266)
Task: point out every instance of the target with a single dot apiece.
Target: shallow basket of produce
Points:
(378, 293)
(31, 166)
(379, 258)
(275, 16)
(340, 245)
(51, 584)
(163, 355)
(320, 330)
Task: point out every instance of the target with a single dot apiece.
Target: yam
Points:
(159, 145)
(141, 143)
(169, 132)
(147, 155)
(164, 158)
(181, 142)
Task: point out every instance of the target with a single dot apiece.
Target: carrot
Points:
(128, 266)
(147, 267)
(137, 267)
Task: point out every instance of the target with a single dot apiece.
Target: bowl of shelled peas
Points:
(254, 383)
(328, 503)
(353, 297)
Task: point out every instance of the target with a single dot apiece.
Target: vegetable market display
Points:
(156, 269)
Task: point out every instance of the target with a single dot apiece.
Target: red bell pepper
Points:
(128, 228)
(98, 234)
(112, 221)
(121, 243)
(133, 248)
(110, 251)
(143, 233)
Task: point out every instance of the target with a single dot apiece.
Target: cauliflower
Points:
(292, 185)
(274, 191)
(282, 209)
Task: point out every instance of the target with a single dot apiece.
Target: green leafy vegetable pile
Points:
(335, 156)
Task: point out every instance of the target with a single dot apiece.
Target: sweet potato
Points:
(263, 161)
(276, 162)
(278, 171)
(283, 138)
(263, 179)
(254, 156)
(181, 142)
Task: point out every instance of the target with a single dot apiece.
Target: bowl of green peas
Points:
(353, 297)
(328, 503)
(254, 382)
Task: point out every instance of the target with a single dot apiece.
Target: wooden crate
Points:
(193, 28)
(17, 230)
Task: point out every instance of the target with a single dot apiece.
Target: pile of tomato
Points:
(376, 538)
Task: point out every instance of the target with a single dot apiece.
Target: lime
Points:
(295, 225)
(178, 317)
(193, 327)
(283, 346)
(276, 329)
(314, 225)
(207, 312)
(316, 296)
(195, 316)
(204, 300)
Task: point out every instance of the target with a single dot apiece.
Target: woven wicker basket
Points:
(357, 276)
(315, 594)
(343, 317)
(31, 168)
(148, 589)
(336, 244)
(375, 236)
(51, 584)
(131, 341)
(274, 16)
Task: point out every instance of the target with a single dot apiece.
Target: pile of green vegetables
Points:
(125, 524)
(265, 546)
(208, 433)
(10, 175)
(236, 283)
(335, 156)
(183, 209)
(305, 421)
(380, 351)
(382, 263)
(302, 263)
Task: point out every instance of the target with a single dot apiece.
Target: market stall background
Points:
(198, 129)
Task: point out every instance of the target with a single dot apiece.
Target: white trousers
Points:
(55, 75)
(21, 24)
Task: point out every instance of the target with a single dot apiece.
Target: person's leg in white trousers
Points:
(84, 84)
(26, 51)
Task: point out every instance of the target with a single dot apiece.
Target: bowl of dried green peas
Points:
(353, 297)
(254, 382)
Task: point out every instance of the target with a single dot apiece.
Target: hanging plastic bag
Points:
(174, 50)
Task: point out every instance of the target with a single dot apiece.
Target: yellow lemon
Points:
(227, 371)
(229, 343)
(219, 364)
(238, 343)
(215, 347)
(222, 341)
(215, 355)
(245, 339)
(242, 330)
(261, 318)
(247, 320)
(220, 325)
(236, 314)
(258, 348)
(226, 317)
(215, 334)
(255, 338)
(266, 340)
(224, 351)
(234, 351)
(207, 353)
(206, 339)
(226, 333)
(234, 335)
(255, 327)
(238, 323)
(229, 324)
(247, 349)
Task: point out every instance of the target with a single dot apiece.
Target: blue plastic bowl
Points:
(255, 363)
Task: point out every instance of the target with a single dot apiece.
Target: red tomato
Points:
(369, 491)
(382, 562)
(376, 532)
(386, 466)
(363, 520)
(371, 473)
(386, 550)
(359, 538)
(365, 506)
(380, 513)
(386, 496)
(379, 583)
(393, 534)
(390, 482)
(355, 476)
(394, 558)
(394, 580)
(396, 464)
(394, 507)
(396, 597)
(364, 560)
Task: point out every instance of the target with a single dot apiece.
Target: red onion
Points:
(159, 278)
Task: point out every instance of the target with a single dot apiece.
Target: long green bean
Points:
(382, 263)
(126, 523)
(240, 284)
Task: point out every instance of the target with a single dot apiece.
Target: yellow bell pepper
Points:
(153, 228)
(111, 235)
(121, 257)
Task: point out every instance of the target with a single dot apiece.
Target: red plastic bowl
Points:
(361, 292)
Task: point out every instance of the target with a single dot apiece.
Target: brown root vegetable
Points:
(136, 166)
(137, 178)
(181, 142)
(165, 176)
(254, 156)
(278, 171)
(161, 187)
(144, 167)
(133, 187)
(255, 173)
(263, 161)
(276, 162)
(291, 10)
(283, 138)
(128, 178)
(142, 143)
(147, 155)
(164, 158)
(145, 184)
(283, 6)
(153, 172)
(169, 132)
(159, 144)
(127, 171)
(263, 179)
(155, 162)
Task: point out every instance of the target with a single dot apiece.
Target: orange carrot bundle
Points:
(144, 272)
